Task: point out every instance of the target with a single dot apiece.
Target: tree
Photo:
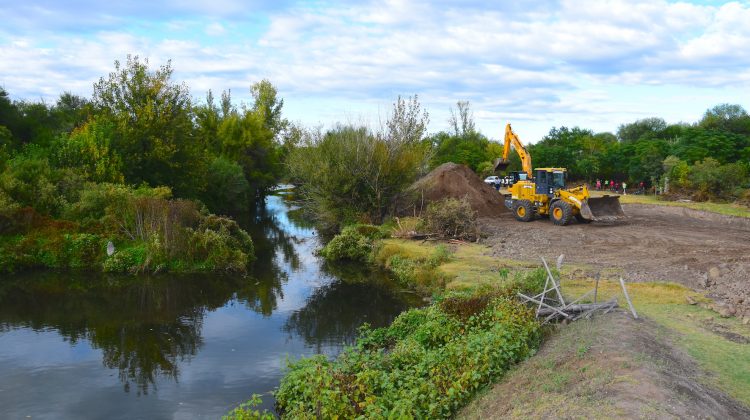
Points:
(268, 106)
(650, 127)
(462, 120)
(408, 122)
(727, 117)
(153, 126)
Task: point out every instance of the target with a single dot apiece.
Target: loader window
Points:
(558, 180)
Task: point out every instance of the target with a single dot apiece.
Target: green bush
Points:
(354, 243)
(427, 364)
(127, 260)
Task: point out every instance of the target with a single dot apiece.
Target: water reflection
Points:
(184, 346)
(334, 312)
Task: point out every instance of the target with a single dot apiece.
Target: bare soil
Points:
(451, 180)
(704, 251)
(609, 367)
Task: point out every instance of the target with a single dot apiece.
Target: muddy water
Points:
(76, 346)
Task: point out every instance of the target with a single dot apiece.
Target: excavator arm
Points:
(511, 138)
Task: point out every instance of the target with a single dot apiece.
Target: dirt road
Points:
(704, 251)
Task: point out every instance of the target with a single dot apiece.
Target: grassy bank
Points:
(397, 371)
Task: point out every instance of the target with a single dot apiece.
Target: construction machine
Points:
(542, 192)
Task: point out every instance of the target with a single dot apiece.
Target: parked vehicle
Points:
(493, 180)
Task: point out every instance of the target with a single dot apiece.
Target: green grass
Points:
(468, 266)
(727, 209)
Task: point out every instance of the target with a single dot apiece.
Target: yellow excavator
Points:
(542, 192)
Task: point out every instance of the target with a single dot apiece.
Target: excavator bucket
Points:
(501, 164)
(604, 209)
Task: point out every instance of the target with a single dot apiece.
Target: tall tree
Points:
(153, 123)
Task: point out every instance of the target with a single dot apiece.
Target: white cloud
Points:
(544, 62)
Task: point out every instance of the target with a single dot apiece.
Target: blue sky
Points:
(591, 63)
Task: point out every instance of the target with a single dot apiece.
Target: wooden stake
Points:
(625, 292)
(554, 282)
(596, 287)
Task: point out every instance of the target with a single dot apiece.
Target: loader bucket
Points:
(606, 208)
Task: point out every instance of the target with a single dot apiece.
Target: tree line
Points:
(142, 129)
(140, 164)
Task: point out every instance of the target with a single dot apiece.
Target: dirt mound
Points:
(451, 180)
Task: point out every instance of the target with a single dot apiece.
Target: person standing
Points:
(612, 185)
(598, 184)
(624, 188)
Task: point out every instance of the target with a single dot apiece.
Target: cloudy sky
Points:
(592, 63)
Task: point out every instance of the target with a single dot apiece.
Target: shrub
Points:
(127, 260)
(427, 364)
(451, 218)
(354, 243)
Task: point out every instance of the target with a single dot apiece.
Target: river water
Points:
(78, 346)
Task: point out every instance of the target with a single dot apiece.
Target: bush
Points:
(354, 243)
(127, 260)
(427, 364)
(451, 218)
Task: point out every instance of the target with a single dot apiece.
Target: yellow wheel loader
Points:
(542, 192)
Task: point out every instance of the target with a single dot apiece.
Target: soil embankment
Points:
(704, 251)
(609, 367)
(451, 180)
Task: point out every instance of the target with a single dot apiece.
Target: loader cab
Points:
(549, 180)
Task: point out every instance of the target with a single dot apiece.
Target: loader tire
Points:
(560, 212)
(523, 210)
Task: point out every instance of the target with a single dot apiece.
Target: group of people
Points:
(614, 186)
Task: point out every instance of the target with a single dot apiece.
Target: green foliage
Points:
(63, 169)
(247, 411)
(713, 180)
(31, 181)
(352, 175)
(89, 150)
(129, 259)
(55, 250)
(427, 364)
(470, 149)
(354, 243)
(227, 190)
(152, 125)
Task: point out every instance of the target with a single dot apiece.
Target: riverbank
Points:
(577, 366)
(116, 228)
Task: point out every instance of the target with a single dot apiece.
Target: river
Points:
(82, 345)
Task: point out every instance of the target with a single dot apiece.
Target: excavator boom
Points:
(511, 138)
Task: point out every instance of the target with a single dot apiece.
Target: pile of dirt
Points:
(451, 180)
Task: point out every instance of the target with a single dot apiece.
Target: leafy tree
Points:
(89, 150)
(227, 190)
(153, 125)
(727, 117)
(647, 127)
